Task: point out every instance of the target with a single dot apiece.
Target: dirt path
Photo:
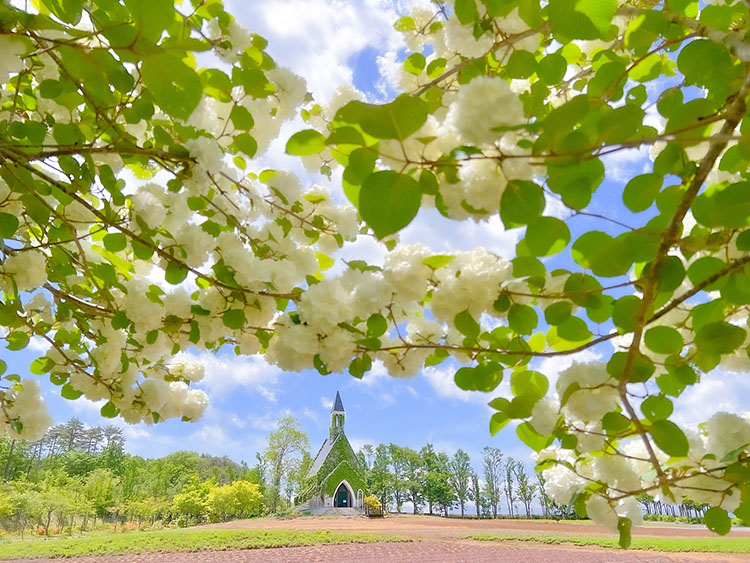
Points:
(430, 527)
(435, 540)
(428, 551)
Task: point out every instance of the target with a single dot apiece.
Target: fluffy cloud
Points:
(317, 38)
(225, 374)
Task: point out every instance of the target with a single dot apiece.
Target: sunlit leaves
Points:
(581, 19)
(388, 201)
(522, 203)
(174, 85)
(396, 120)
(547, 236)
(306, 142)
(719, 338)
(717, 520)
(670, 438)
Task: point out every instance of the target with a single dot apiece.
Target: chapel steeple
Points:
(337, 416)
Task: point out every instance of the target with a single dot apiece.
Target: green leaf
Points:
(623, 527)
(17, 340)
(41, 365)
(551, 69)
(305, 142)
(624, 313)
(547, 236)
(529, 436)
(558, 313)
(657, 407)
(234, 319)
(642, 369)
(466, 324)
(8, 225)
(581, 19)
(175, 87)
(663, 340)
(717, 520)
(388, 201)
(109, 410)
(522, 203)
(709, 64)
(67, 391)
(115, 242)
(521, 64)
(246, 143)
(670, 438)
(241, 118)
(529, 383)
(360, 366)
(466, 11)
(522, 319)
(376, 325)
(438, 261)
(3, 367)
(573, 329)
(604, 255)
(641, 191)
(175, 273)
(415, 63)
(396, 120)
(498, 421)
(484, 377)
(719, 338)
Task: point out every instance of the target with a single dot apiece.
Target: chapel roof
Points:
(338, 406)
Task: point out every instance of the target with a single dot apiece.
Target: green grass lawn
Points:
(716, 545)
(177, 540)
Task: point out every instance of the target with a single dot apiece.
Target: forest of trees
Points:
(77, 477)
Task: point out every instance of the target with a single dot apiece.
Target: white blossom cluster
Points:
(23, 403)
(698, 477)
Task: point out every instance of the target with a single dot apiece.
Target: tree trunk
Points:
(462, 509)
(7, 463)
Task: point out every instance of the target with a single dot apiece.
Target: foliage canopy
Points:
(134, 225)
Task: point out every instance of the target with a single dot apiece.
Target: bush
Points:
(372, 502)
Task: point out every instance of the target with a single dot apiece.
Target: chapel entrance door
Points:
(341, 498)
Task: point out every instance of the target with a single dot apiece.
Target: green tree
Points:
(525, 489)
(492, 463)
(283, 446)
(459, 471)
(436, 483)
(380, 478)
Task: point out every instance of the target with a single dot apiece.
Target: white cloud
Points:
(327, 402)
(717, 391)
(316, 38)
(224, 375)
(441, 234)
(38, 344)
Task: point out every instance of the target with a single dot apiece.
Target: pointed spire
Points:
(338, 406)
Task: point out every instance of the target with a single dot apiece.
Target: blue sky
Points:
(330, 43)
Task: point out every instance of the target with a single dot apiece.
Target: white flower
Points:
(545, 414)
(481, 105)
(31, 410)
(726, 433)
(183, 366)
(11, 61)
(460, 39)
(596, 396)
(28, 269)
(606, 513)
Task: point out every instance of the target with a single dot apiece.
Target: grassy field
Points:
(177, 540)
(703, 545)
